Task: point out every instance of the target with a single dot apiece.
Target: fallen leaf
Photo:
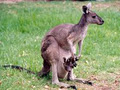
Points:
(32, 86)
(93, 77)
(62, 89)
(0, 82)
(46, 87)
(8, 74)
(116, 82)
(29, 81)
(79, 89)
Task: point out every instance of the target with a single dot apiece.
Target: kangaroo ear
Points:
(85, 9)
(89, 6)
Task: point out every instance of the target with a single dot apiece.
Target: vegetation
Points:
(23, 25)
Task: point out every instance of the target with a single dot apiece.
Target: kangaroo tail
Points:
(18, 68)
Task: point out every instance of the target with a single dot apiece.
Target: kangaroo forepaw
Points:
(73, 87)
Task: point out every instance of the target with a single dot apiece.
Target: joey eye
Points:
(72, 66)
(93, 16)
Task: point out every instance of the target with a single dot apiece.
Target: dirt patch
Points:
(15, 1)
(111, 81)
(107, 5)
(10, 1)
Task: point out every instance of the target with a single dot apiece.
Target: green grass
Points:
(23, 25)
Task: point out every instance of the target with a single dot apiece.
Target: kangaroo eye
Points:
(93, 16)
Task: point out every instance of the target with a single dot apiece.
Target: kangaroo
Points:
(61, 42)
(69, 64)
(58, 48)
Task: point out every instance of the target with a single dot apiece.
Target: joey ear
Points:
(64, 59)
(76, 59)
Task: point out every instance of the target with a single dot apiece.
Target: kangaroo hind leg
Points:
(45, 69)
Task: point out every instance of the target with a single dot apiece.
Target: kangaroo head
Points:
(69, 64)
(91, 17)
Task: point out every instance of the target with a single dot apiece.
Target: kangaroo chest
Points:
(80, 35)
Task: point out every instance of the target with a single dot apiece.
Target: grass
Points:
(23, 25)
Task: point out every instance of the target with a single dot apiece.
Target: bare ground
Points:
(10, 1)
(101, 82)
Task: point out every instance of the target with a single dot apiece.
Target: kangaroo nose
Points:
(102, 21)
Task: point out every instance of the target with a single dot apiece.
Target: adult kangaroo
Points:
(61, 42)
